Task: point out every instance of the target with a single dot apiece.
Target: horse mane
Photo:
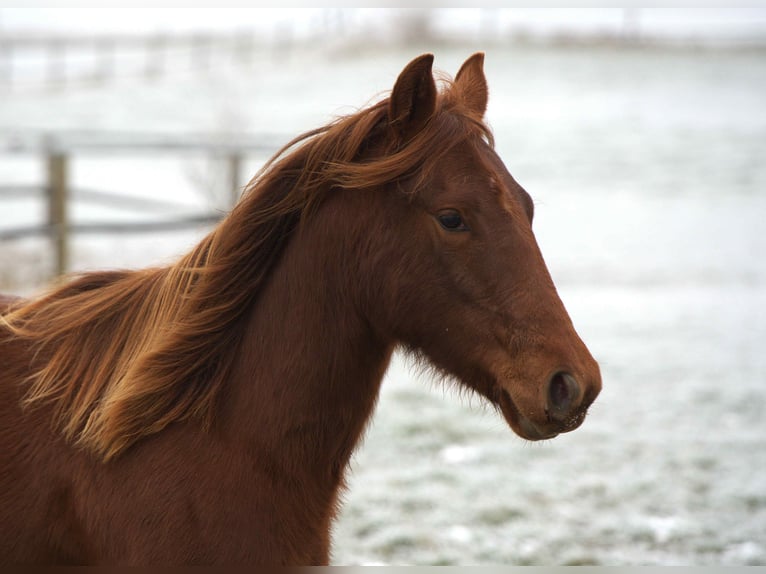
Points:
(122, 354)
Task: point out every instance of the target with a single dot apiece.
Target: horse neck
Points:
(309, 370)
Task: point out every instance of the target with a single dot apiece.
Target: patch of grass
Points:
(754, 503)
(416, 505)
(706, 463)
(499, 516)
(398, 545)
(584, 560)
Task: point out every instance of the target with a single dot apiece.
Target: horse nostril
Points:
(563, 394)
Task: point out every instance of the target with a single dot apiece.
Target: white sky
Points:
(698, 22)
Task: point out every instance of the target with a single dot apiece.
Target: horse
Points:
(205, 412)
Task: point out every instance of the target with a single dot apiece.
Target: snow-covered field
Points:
(647, 167)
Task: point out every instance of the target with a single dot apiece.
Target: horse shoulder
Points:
(36, 502)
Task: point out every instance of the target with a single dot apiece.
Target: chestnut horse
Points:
(205, 412)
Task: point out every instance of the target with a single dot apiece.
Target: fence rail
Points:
(112, 227)
(93, 196)
(219, 143)
(63, 59)
(58, 151)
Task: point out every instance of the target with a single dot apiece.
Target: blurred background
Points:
(125, 134)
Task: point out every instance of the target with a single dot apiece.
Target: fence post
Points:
(243, 46)
(104, 55)
(6, 62)
(235, 169)
(155, 48)
(202, 46)
(57, 210)
(57, 60)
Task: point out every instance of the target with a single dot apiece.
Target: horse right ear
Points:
(413, 99)
(472, 85)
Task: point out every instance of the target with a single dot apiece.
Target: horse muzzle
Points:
(565, 407)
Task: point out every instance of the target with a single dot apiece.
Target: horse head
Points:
(457, 276)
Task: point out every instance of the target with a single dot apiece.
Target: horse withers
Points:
(205, 412)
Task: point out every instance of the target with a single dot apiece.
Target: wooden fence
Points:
(59, 151)
(56, 61)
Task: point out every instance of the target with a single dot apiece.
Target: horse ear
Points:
(413, 99)
(472, 85)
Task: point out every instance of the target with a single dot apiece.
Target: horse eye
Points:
(451, 221)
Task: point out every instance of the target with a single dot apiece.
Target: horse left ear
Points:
(471, 85)
(413, 99)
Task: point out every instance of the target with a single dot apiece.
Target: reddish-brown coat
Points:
(205, 412)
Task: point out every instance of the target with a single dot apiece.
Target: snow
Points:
(650, 186)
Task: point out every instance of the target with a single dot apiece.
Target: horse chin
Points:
(521, 425)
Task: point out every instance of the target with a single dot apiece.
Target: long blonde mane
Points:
(121, 355)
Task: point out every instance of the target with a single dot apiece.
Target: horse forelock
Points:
(121, 355)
